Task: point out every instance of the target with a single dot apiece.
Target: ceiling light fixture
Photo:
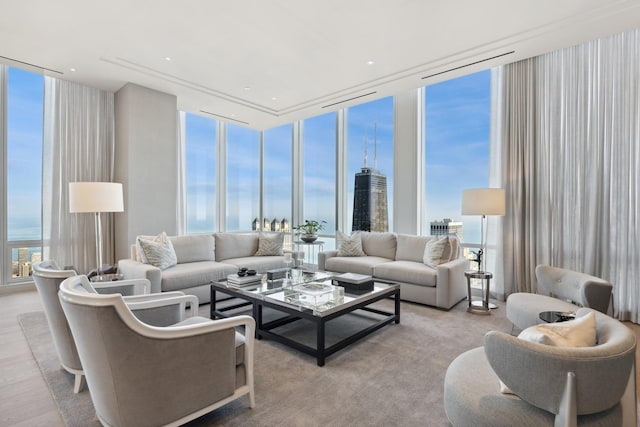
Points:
(167, 58)
(370, 62)
(273, 98)
(73, 70)
(247, 88)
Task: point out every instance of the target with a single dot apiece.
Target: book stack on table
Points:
(234, 279)
(354, 282)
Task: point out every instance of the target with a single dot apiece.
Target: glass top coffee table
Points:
(309, 296)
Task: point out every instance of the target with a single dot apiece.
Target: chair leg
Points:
(77, 385)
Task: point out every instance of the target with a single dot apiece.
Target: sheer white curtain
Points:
(78, 146)
(182, 178)
(570, 161)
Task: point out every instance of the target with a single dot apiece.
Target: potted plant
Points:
(309, 230)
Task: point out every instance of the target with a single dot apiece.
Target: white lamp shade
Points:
(95, 197)
(483, 201)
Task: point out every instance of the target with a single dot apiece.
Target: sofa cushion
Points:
(270, 244)
(159, 254)
(140, 256)
(235, 245)
(360, 265)
(260, 264)
(194, 247)
(406, 272)
(350, 245)
(379, 244)
(410, 248)
(451, 250)
(192, 274)
(433, 250)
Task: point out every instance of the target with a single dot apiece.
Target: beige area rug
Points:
(393, 377)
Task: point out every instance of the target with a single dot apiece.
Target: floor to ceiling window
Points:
(243, 178)
(200, 171)
(370, 166)
(277, 180)
(457, 126)
(319, 170)
(23, 210)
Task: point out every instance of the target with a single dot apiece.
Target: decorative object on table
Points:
(353, 282)
(277, 273)
(96, 197)
(242, 272)
(309, 230)
(288, 259)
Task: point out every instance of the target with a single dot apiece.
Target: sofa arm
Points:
(132, 269)
(451, 285)
(323, 257)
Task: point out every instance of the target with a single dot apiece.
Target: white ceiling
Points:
(262, 63)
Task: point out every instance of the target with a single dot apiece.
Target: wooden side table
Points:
(479, 307)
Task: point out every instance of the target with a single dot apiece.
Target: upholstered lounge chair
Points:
(140, 375)
(561, 386)
(47, 276)
(569, 290)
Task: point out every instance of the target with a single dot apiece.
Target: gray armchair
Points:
(561, 386)
(569, 290)
(47, 276)
(141, 375)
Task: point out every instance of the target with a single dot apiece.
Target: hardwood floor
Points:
(24, 396)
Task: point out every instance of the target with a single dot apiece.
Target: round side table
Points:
(479, 307)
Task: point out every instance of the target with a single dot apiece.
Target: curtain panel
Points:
(569, 140)
(78, 146)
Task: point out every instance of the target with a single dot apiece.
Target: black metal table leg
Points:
(320, 341)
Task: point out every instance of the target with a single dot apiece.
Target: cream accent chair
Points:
(141, 375)
(569, 291)
(47, 276)
(561, 386)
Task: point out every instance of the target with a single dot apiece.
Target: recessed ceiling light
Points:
(73, 70)
(370, 62)
(247, 88)
(273, 98)
(167, 58)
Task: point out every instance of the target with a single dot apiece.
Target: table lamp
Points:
(483, 201)
(96, 197)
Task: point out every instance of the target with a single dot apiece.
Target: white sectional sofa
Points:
(201, 259)
(398, 258)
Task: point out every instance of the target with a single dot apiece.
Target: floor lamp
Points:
(483, 202)
(96, 197)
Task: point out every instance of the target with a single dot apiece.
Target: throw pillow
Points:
(159, 254)
(580, 332)
(433, 251)
(140, 256)
(350, 245)
(270, 244)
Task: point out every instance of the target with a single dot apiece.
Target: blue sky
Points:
(456, 157)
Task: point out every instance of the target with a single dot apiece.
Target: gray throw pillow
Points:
(350, 245)
(270, 244)
(159, 253)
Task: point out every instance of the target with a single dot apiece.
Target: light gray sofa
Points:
(398, 258)
(202, 258)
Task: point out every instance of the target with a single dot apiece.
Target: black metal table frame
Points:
(265, 330)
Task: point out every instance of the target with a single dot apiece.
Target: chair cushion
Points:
(382, 245)
(194, 247)
(235, 245)
(523, 309)
(359, 265)
(192, 274)
(580, 332)
(406, 272)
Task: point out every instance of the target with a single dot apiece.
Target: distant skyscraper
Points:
(370, 211)
(284, 225)
(275, 225)
(255, 225)
(447, 227)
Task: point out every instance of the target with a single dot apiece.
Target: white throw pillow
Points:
(270, 244)
(140, 256)
(580, 332)
(159, 254)
(433, 251)
(350, 245)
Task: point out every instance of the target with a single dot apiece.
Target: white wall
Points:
(145, 163)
